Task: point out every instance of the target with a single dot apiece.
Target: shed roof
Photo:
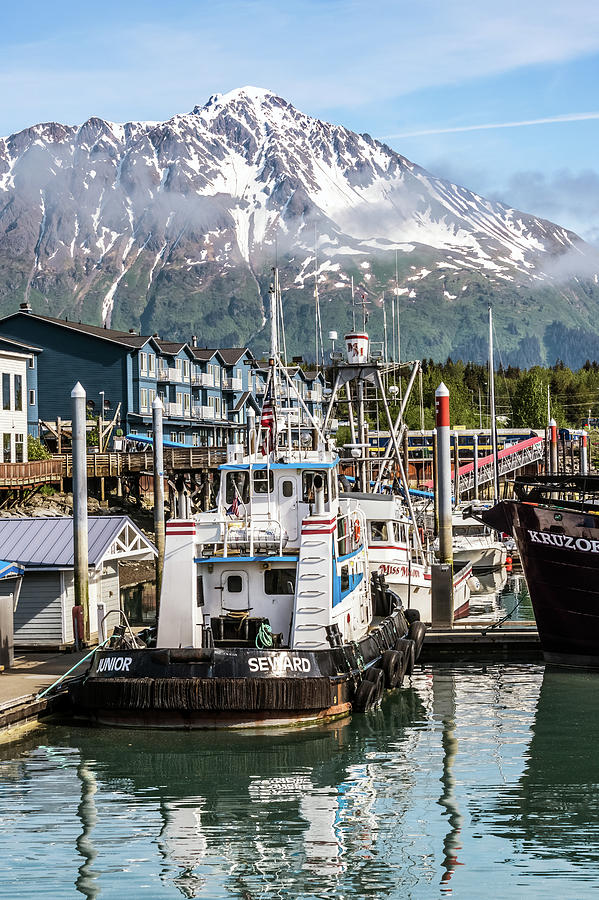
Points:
(48, 542)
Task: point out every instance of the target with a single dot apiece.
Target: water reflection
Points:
(554, 807)
(444, 708)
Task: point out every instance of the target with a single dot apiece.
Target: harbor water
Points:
(470, 782)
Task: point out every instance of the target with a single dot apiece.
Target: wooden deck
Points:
(106, 465)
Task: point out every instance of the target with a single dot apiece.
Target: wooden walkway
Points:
(106, 465)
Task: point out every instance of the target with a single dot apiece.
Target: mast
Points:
(353, 305)
(397, 298)
(492, 410)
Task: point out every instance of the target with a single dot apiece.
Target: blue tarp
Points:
(10, 569)
(146, 439)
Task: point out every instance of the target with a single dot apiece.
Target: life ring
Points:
(357, 531)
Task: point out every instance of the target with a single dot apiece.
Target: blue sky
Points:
(405, 72)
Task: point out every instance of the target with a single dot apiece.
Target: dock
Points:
(512, 641)
(20, 708)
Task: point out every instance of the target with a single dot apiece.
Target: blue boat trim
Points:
(257, 467)
(349, 555)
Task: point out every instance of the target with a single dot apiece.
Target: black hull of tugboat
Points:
(559, 550)
(231, 687)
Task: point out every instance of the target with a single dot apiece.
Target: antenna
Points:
(397, 295)
(353, 305)
(319, 359)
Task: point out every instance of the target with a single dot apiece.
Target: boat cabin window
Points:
(200, 591)
(288, 489)
(378, 532)
(234, 584)
(333, 486)
(308, 485)
(470, 530)
(279, 581)
(263, 481)
(238, 485)
(399, 532)
(344, 579)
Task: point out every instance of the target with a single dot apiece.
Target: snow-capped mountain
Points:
(174, 226)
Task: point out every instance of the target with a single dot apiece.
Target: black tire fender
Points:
(376, 676)
(412, 615)
(417, 633)
(365, 696)
(409, 653)
(392, 666)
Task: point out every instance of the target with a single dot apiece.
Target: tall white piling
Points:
(80, 533)
(553, 456)
(158, 446)
(584, 460)
(443, 486)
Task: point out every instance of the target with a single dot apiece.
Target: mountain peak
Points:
(248, 93)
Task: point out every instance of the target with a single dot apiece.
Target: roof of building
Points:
(232, 355)
(19, 345)
(203, 353)
(48, 542)
(125, 338)
(170, 347)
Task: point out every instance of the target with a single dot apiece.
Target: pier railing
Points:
(106, 465)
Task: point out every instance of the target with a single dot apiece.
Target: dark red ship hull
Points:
(559, 549)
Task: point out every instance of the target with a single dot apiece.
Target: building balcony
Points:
(313, 396)
(175, 375)
(162, 373)
(232, 384)
(174, 410)
(202, 412)
(197, 380)
(260, 388)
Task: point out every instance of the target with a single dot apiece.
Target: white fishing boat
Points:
(477, 544)
(268, 614)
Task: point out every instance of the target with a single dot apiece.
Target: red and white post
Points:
(584, 459)
(553, 457)
(443, 485)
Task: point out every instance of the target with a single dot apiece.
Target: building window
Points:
(186, 369)
(151, 364)
(216, 375)
(181, 437)
(217, 407)
(152, 397)
(179, 401)
(195, 440)
(18, 392)
(173, 436)
(179, 366)
(144, 398)
(5, 390)
(187, 404)
(31, 398)
(18, 448)
(143, 363)
(6, 448)
(31, 362)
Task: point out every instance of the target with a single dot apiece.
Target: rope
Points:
(264, 637)
(72, 669)
(506, 617)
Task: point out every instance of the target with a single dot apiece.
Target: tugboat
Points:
(268, 616)
(554, 520)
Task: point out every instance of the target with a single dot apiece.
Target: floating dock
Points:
(513, 641)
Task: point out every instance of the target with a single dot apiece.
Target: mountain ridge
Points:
(173, 226)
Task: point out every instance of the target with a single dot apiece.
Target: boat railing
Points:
(351, 531)
(258, 534)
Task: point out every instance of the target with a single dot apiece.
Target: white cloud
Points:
(321, 56)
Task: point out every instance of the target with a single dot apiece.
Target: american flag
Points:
(267, 422)
(233, 510)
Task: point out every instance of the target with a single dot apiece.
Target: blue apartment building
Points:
(206, 392)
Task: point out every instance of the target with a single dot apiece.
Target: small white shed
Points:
(44, 548)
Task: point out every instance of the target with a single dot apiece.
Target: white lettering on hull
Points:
(115, 664)
(279, 664)
(565, 541)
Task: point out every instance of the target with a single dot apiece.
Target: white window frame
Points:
(143, 363)
(32, 397)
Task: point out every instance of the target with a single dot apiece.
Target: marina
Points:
(450, 784)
